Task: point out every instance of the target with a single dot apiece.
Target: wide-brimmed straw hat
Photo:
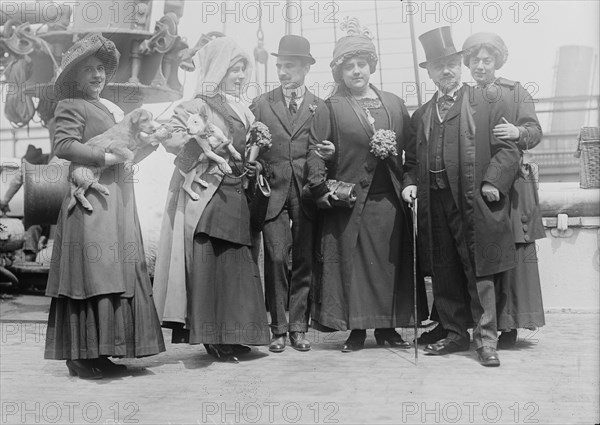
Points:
(93, 44)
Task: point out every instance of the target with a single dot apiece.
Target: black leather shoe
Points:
(446, 346)
(239, 349)
(507, 339)
(277, 343)
(432, 336)
(299, 342)
(84, 369)
(108, 367)
(391, 337)
(221, 352)
(488, 357)
(356, 341)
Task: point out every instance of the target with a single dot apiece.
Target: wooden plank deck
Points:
(552, 376)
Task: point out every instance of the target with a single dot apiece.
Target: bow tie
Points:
(444, 104)
(446, 98)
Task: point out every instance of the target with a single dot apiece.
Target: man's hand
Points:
(323, 201)
(253, 168)
(325, 150)
(506, 131)
(490, 193)
(409, 193)
(4, 206)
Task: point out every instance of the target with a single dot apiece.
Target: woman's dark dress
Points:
(367, 282)
(101, 294)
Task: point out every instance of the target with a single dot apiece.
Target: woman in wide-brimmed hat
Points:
(101, 294)
(520, 297)
(364, 275)
(206, 280)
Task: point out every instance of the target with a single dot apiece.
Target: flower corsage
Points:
(383, 144)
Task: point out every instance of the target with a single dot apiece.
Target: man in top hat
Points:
(464, 175)
(288, 111)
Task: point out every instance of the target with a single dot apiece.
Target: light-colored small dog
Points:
(123, 140)
(198, 125)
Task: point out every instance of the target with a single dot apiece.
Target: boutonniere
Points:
(312, 108)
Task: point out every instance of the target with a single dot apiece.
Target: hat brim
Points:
(311, 60)
(424, 64)
(67, 70)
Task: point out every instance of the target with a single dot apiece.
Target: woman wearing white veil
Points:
(207, 284)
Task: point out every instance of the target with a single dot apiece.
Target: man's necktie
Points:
(293, 105)
(444, 104)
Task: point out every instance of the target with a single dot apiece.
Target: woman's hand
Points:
(409, 194)
(490, 193)
(506, 131)
(111, 159)
(323, 201)
(325, 149)
(253, 168)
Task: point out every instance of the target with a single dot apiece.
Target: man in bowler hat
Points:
(464, 175)
(288, 112)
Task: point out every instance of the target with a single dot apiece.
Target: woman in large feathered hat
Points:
(101, 293)
(365, 278)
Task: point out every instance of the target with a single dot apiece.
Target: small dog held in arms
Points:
(209, 138)
(136, 130)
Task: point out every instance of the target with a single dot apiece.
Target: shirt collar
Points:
(300, 91)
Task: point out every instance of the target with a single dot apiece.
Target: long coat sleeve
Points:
(518, 108)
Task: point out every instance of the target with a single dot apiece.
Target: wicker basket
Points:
(588, 152)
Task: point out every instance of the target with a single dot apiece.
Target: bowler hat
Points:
(437, 44)
(294, 45)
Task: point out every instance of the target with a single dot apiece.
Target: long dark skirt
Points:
(104, 325)
(380, 293)
(226, 304)
(519, 295)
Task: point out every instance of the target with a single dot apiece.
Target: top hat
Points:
(437, 44)
(294, 45)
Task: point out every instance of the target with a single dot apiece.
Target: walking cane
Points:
(413, 207)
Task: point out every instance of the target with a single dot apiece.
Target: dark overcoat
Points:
(511, 99)
(101, 252)
(353, 162)
(472, 156)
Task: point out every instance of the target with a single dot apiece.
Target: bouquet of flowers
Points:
(260, 138)
(383, 144)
